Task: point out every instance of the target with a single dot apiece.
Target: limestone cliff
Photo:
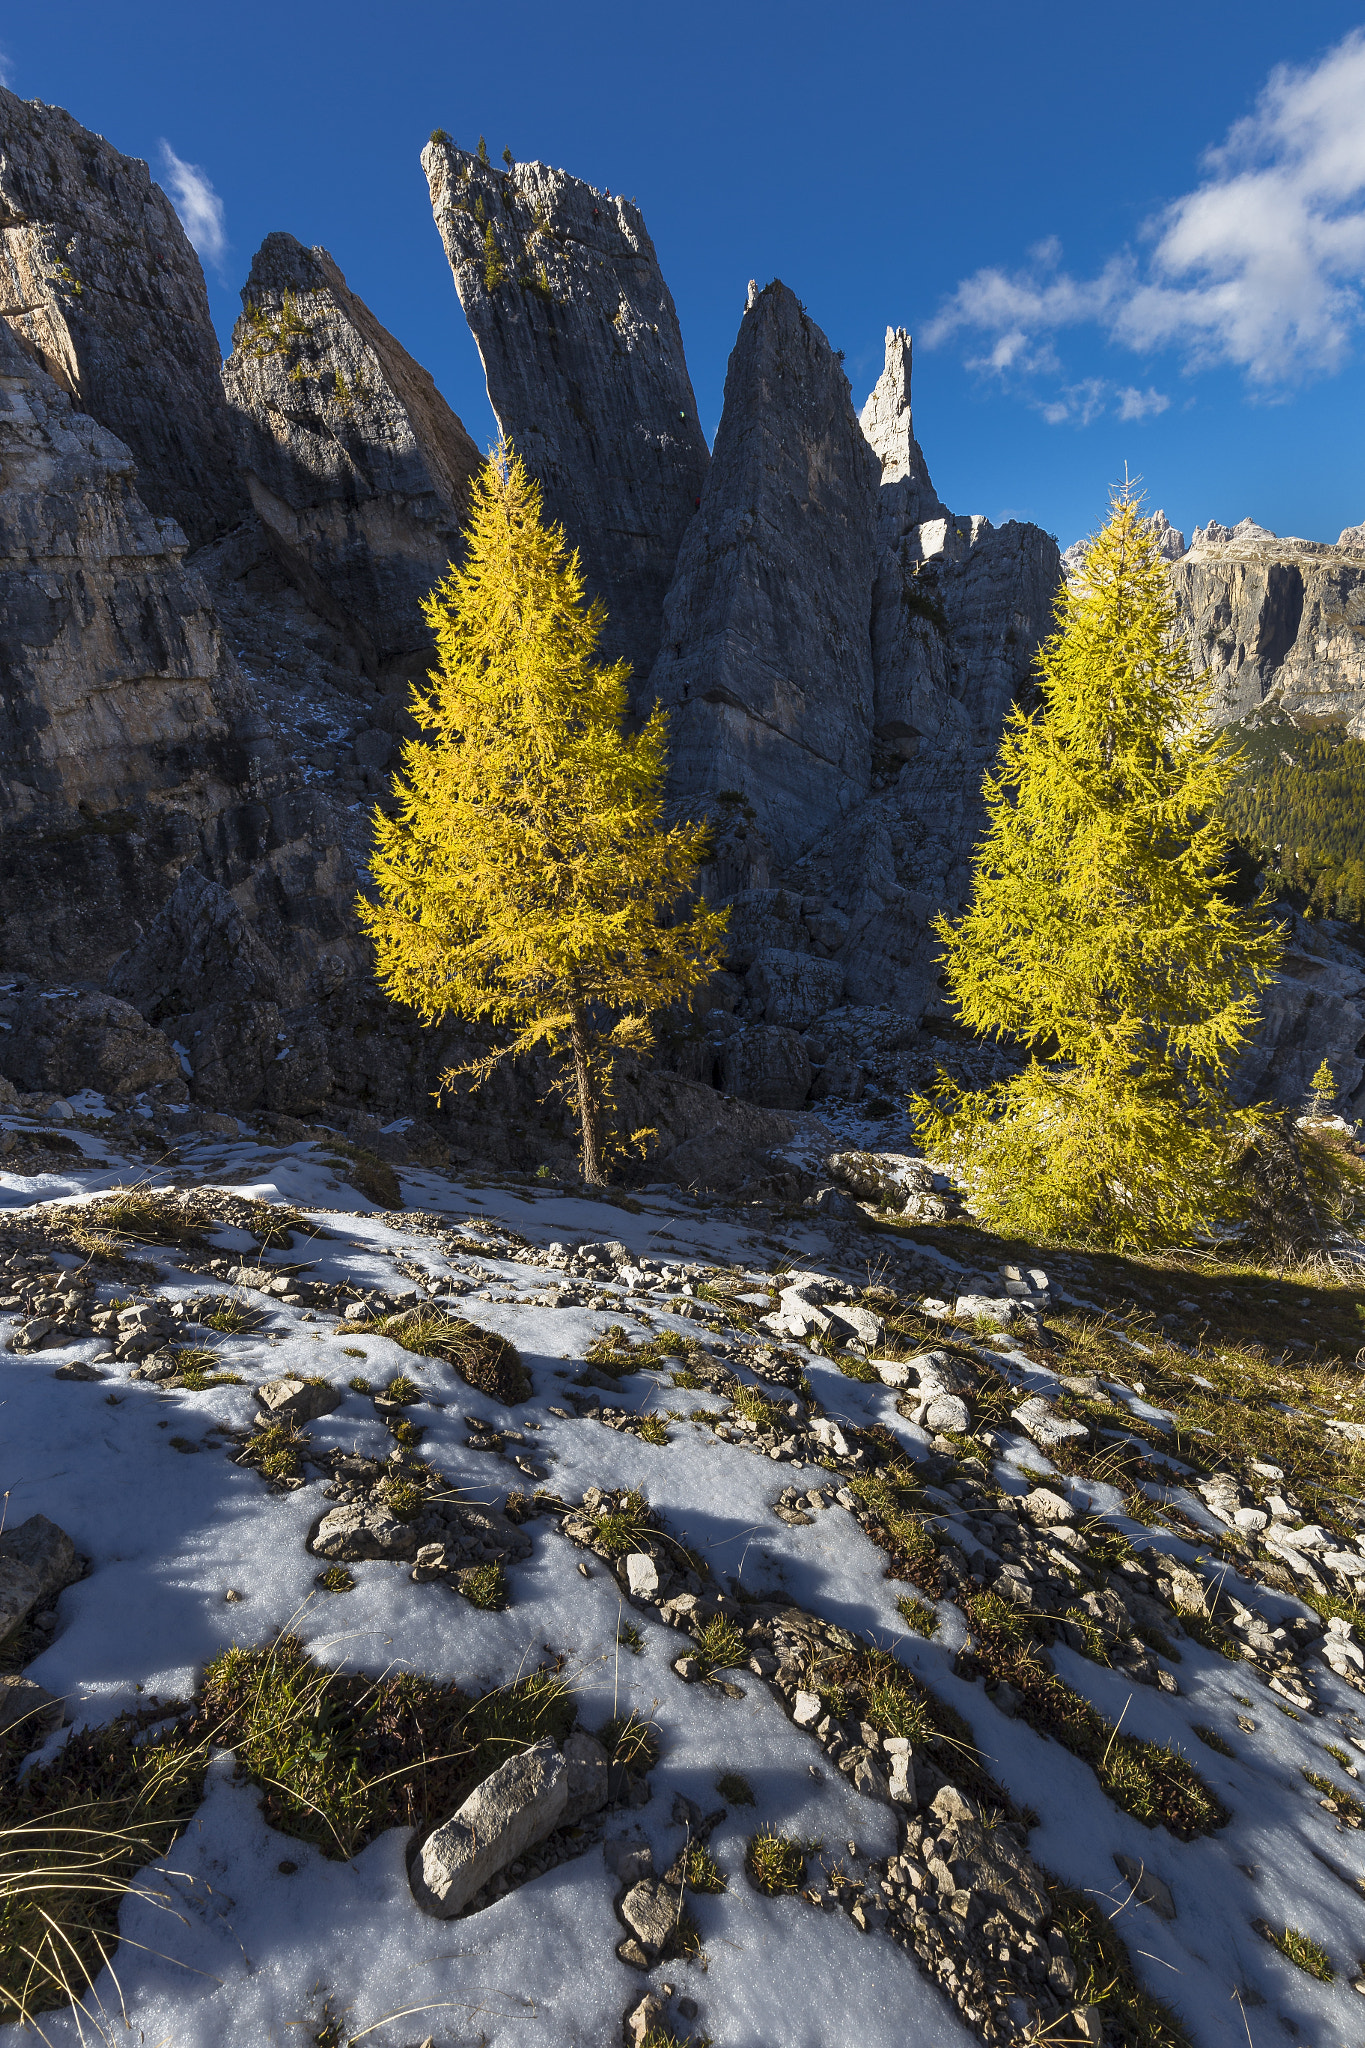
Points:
(766, 658)
(1276, 621)
(99, 282)
(357, 467)
(585, 367)
(129, 742)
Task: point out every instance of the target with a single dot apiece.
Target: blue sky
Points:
(1118, 235)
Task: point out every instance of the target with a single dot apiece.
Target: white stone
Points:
(830, 1435)
(518, 1806)
(1044, 1424)
(948, 1411)
(642, 1574)
(806, 1709)
(892, 1372)
(866, 1327)
(1250, 1518)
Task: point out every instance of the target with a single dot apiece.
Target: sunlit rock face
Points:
(101, 286)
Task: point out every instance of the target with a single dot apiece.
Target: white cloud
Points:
(1140, 405)
(6, 68)
(199, 207)
(1261, 265)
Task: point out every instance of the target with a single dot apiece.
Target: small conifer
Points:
(527, 879)
(483, 151)
(1324, 1087)
(1102, 935)
(507, 158)
(494, 269)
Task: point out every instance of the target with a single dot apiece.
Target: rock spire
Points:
(766, 659)
(357, 467)
(586, 372)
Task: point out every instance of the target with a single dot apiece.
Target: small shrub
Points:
(775, 1863)
(735, 1789)
(917, 1614)
(485, 1585)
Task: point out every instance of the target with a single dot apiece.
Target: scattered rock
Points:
(519, 1805)
(1152, 1890)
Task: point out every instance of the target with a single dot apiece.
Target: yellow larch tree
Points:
(527, 878)
(1102, 935)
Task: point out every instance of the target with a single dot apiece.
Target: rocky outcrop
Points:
(130, 744)
(99, 282)
(586, 373)
(357, 467)
(1276, 621)
(766, 660)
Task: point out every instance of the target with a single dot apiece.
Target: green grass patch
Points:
(365, 1170)
(917, 1614)
(735, 1789)
(775, 1864)
(653, 1429)
(1345, 1802)
(336, 1579)
(897, 1529)
(485, 1585)
(720, 1646)
(630, 1638)
(232, 1316)
(701, 1872)
(1305, 1953)
(1213, 1740)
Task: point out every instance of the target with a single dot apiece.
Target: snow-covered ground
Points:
(248, 1954)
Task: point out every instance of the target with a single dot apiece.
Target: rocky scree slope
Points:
(858, 1610)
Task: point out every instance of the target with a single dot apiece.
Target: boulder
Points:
(767, 1064)
(364, 1529)
(297, 1401)
(586, 373)
(45, 1550)
(102, 288)
(765, 659)
(519, 1805)
(63, 1042)
(893, 1180)
(357, 467)
(19, 1591)
(651, 1910)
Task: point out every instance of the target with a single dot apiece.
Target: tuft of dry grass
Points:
(484, 1359)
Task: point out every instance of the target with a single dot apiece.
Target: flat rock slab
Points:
(518, 1806)
(46, 1550)
(1044, 1424)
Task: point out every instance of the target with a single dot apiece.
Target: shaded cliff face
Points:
(586, 373)
(766, 659)
(1276, 621)
(357, 467)
(129, 744)
(101, 285)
